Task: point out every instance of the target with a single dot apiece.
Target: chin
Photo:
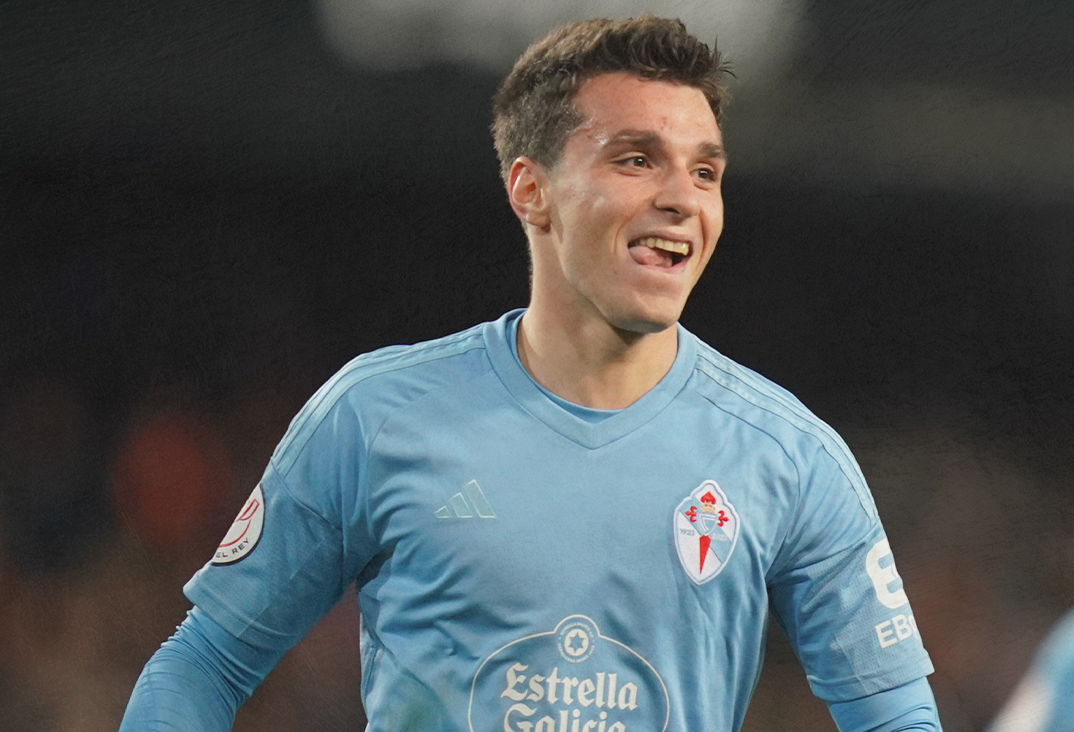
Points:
(645, 323)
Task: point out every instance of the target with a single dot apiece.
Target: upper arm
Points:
(836, 593)
(314, 538)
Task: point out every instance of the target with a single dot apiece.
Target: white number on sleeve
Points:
(884, 577)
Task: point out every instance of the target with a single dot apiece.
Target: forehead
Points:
(613, 102)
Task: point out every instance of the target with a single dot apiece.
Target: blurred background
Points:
(207, 208)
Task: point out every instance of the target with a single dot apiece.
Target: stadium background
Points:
(208, 208)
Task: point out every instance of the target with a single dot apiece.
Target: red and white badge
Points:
(245, 532)
(706, 531)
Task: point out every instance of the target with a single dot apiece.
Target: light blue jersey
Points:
(1044, 701)
(525, 567)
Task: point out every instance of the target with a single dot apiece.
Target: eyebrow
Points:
(645, 139)
(712, 150)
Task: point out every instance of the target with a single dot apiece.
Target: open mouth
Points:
(653, 250)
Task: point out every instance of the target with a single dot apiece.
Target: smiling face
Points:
(624, 223)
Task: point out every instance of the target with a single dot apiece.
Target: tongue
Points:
(655, 257)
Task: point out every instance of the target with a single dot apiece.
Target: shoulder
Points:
(371, 387)
(747, 395)
(421, 366)
(774, 412)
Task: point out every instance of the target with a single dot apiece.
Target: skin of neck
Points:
(578, 355)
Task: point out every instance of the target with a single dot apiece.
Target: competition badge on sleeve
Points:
(706, 531)
(242, 537)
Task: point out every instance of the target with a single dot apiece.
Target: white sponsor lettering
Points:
(884, 576)
(571, 679)
(564, 721)
(899, 628)
(585, 689)
(602, 691)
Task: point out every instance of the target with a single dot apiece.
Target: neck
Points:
(592, 363)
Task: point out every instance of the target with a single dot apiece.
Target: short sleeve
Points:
(311, 539)
(837, 595)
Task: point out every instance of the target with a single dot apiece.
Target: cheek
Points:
(598, 211)
(714, 219)
(597, 226)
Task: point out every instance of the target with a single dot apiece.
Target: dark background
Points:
(205, 212)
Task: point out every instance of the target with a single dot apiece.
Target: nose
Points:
(678, 194)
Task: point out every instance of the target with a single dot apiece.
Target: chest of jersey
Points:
(507, 537)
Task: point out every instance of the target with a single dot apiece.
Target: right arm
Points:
(300, 540)
(196, 681)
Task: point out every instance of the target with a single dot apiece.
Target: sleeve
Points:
(196, 681)
(836, 593)
(907, 708)
(302, 537)
(1044, 700)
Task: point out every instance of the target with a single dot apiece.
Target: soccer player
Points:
(1044, 700)
(578, 517)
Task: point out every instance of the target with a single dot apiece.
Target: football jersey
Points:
(523, 566)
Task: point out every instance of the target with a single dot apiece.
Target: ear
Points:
(527, 191)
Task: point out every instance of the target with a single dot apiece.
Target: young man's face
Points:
(634, 203)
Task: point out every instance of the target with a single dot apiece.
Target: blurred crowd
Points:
(100, 532)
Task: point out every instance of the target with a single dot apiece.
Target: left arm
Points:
(907, 708)
(836, 593)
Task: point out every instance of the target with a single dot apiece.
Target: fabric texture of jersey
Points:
(521, 568)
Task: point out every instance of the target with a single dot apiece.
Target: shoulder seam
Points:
(346, 378)
(803, 420)
(797, 409)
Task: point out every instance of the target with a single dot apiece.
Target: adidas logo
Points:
(464, 508)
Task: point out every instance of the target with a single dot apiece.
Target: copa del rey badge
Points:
(706, 531)
(245, 531)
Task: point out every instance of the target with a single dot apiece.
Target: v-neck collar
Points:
(587, 434)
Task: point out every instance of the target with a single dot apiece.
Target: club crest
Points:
(706, 531)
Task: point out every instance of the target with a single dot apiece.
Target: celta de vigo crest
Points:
(706, 531)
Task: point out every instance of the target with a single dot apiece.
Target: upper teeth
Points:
(675, 247)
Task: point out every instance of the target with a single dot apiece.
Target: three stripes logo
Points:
(467, 503)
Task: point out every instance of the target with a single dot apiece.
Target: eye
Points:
(635, 161)
(707, 174)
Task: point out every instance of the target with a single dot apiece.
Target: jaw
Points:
(652, 302)
(632, 289)
(631, 304)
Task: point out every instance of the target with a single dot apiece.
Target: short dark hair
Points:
(533, 110)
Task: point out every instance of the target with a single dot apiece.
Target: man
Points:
(1044, 700)
(575, 518)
